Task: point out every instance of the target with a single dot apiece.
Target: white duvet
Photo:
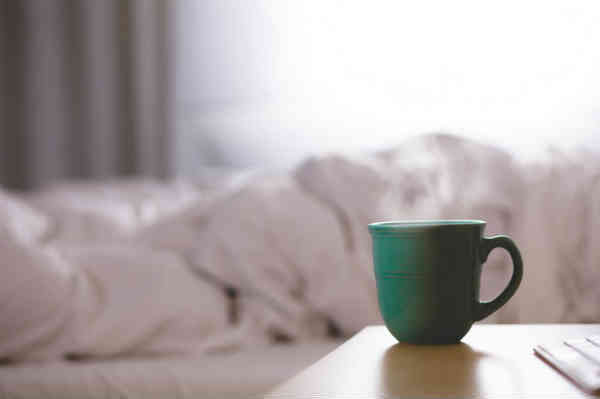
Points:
(140, 267)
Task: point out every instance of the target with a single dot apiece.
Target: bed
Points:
(224, 288)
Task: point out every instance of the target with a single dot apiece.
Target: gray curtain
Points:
(85, 90)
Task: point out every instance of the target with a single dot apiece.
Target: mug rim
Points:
(420, 225)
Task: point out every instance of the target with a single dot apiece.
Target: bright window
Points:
(266, 82)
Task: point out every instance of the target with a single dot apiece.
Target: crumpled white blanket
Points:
(141, 267)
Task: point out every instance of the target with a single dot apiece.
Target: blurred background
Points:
(177, 250)
(94, 89)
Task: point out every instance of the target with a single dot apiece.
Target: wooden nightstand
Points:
(493, 361)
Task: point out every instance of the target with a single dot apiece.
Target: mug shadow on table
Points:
(433, 370)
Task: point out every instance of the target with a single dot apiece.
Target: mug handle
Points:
(484, 309)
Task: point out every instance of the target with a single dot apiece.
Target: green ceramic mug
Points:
(428, 275)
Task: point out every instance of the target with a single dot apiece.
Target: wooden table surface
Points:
(493, 361)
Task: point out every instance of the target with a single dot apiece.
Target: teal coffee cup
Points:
(428, 276)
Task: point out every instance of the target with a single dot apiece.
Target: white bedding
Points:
(239, 375)
(148, 268)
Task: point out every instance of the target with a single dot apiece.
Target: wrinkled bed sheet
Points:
(146, 268)
(245, 374)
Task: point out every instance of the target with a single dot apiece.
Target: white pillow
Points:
(108, 211)
(36, 296)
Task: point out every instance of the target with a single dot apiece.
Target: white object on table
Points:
(569, 359)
